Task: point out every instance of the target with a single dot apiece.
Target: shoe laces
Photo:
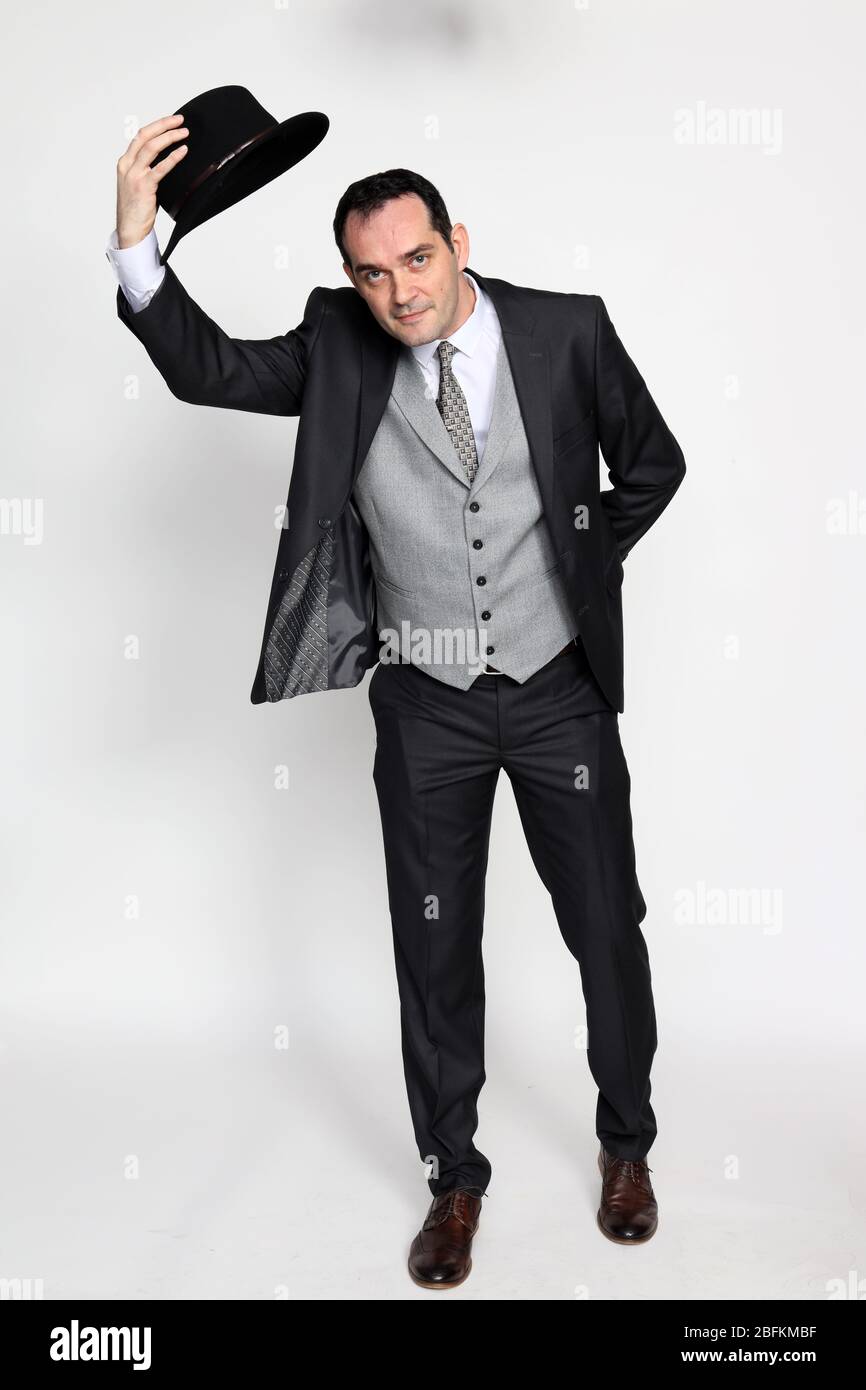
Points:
(452, 1203)
(635, 1169)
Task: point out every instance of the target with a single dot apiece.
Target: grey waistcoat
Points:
(422, 517)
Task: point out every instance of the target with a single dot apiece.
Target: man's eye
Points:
(421, 256)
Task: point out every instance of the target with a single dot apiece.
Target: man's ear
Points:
(348, 270)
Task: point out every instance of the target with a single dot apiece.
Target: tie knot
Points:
(446, 351)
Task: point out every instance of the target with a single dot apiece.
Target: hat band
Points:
(212, 169)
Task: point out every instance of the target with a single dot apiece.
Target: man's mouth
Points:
(409, 318)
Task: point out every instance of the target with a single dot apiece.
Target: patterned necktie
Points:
(451, 404)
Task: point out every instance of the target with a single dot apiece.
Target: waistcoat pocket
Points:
(395, 588)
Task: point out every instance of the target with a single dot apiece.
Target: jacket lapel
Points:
(527, 356)
(380, 354)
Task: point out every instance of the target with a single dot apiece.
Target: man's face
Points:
(412, 283)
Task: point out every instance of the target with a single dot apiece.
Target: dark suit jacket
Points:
(577, 388)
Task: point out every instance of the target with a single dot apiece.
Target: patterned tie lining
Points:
(452, 406)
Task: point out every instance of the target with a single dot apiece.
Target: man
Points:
(445, 492)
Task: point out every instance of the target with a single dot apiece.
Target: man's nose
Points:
(404, 291)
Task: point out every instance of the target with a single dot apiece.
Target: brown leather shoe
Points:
(440, 1255)
(629, 1212)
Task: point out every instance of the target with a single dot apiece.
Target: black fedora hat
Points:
(234, 146)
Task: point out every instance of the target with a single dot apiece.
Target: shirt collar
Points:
(468, 334)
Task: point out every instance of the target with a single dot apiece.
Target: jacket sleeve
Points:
(202, 365)
(644, 461)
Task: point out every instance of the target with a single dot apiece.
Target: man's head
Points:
(403, 256)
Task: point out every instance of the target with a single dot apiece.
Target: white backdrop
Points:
(172, 917)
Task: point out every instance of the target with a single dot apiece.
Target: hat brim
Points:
(284, 146)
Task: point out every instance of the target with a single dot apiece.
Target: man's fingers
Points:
(157, 127)
(147, 132)
(151, 148)
(166, 165)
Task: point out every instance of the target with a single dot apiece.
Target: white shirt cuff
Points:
(137, 268)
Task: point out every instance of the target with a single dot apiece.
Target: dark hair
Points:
(370, 194)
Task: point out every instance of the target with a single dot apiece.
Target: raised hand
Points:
(137, 182)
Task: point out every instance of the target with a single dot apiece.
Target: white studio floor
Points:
(171, 1170)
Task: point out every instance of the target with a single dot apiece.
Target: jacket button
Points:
(481, 579)
(476, 545)
(485, 615)
(325, 522)
(473, 506)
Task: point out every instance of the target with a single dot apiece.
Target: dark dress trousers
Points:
(439, 752)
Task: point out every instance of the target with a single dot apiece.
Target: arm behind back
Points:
(645, 462)
(202, 365)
